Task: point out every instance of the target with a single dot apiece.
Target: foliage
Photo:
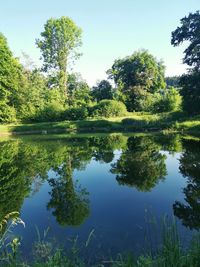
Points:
(168, 100)
(189, 31)
(10, 82)
(102, 91)
(78, 91)
(138, 72)
(108, 108)
(172, 81)
(52, 111)
(59, 40)
(79, 113)
(190, 92)
(33, 95)
(7, 113)
(190, 83)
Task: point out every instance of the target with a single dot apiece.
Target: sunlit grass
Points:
(133, 122)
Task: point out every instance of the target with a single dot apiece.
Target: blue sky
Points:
(111, 29)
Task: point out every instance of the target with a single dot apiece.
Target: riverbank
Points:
(136, 122)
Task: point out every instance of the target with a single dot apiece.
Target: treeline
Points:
(135, 83)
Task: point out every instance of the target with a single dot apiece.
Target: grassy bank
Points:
(135, 122)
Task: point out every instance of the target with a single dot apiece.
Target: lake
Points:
(108, 188)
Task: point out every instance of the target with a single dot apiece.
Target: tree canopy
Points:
(10, 82)
(103, 90)
(135, 74)
(59, 41)
(189, 31)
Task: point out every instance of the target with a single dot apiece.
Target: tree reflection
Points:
(189, 212)
(69, 202)
(105, 146)
(14, 186)
(24, 166)
(141, 165)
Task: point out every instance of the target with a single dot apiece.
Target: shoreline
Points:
(171, 122)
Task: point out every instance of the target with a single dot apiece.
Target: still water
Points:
(105, 186)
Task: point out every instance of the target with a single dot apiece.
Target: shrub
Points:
(169, 100)
(79, 113)
(108, 108)
(51, 112)
(7, 113)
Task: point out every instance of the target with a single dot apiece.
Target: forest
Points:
(135, 84)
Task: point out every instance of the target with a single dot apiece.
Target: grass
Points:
(168, 253)
(133, 122)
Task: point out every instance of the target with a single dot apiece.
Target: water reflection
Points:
(68, 200)
(189, 212)
(140, 163)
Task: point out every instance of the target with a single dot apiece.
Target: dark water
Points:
(111, 185)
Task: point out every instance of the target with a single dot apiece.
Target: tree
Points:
(189, 31)
(103, 90)
(33, 95)
(190, 83)
(172, 81)
(59, 40)
(10, 82)
(139, 72)
(78, 91)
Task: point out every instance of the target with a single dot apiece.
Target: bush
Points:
(7, 113)
(79, 113)
(170, 100)
(108, 108)
(51, 112)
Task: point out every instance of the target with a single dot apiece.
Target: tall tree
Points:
(189, 31)
(10, 78)
(59, 41)
(135, 74)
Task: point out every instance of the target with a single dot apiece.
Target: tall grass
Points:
(169, 252)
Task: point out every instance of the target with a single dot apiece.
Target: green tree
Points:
(33, 95)
(190, 83)
(59, 41)
(172, 81)
(78, 91)
(103, 90)
(10, 82)
(189, 31)
(137, 73)
(141, 165)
